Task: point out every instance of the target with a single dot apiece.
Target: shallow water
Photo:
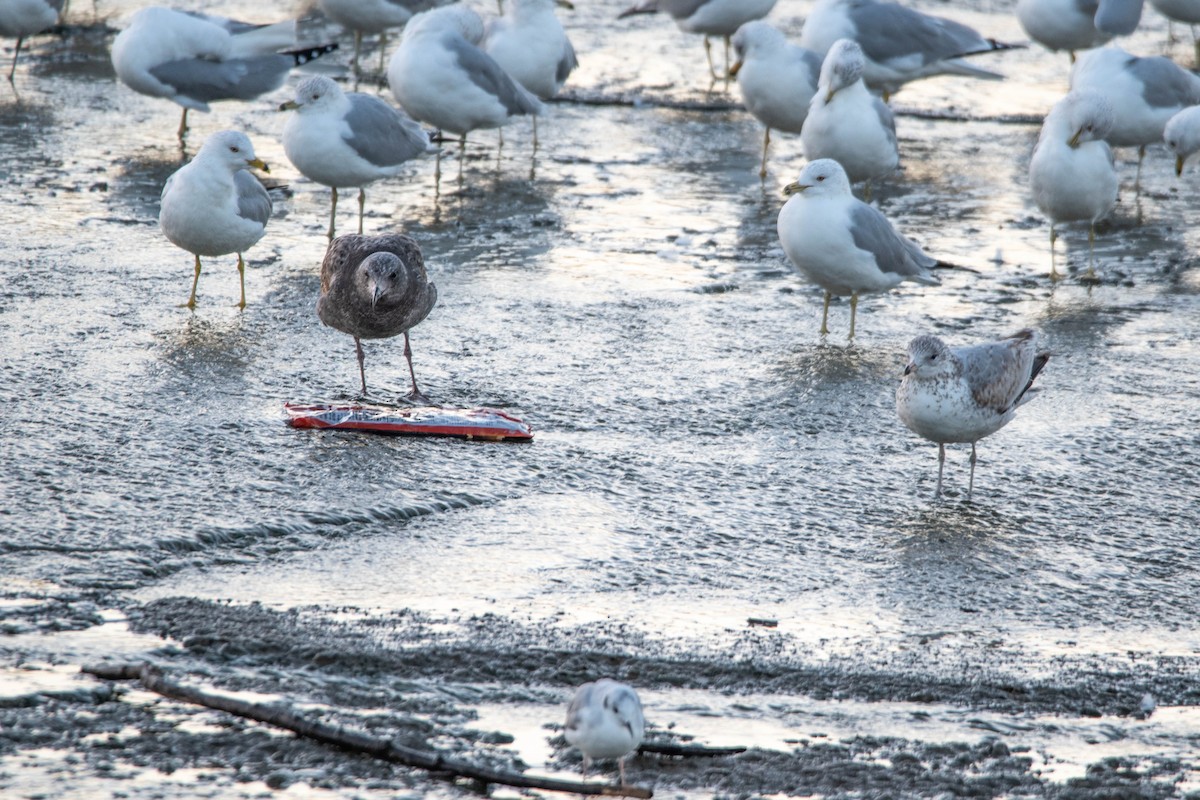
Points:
(701, 455)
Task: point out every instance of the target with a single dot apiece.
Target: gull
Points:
(194, 60)
(440, 76)
(1077, 24)
(847, 123)
(23, 18)
(375, 287)
(1182, 136)
(709, 17)
(1144, 93)
(529, 43)
(842, 244)
(373, 16)
(963, 394)
(1185, 11)
(900, 44)
(339, 139)
(777, 79)
(605, 720)
(1071, 172)
(213, 206)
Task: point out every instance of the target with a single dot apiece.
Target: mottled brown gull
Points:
(375, 287)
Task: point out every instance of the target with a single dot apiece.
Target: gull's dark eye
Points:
(233, 148)
(933, 357)
(820, 177)
(316, 97)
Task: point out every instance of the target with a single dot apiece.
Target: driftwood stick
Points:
(688, 750)
(283, 717)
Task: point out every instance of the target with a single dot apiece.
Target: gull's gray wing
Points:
(887, 31)
(886, 118)
(1118, 17)
(810, 60)
(893, 253)
(380, 133)
(1164, 83)
(999, 373)
(583, 696)
(253, 201)
(485, 73)
(567, 63)
(206, 80)
(680, 9)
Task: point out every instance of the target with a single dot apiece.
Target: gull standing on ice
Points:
(22, 18)
(213, 206)
(529, 43)
(1144, 93)
(375, 287)
(1071, 172)
(339, 139)
(709, 17)
(1182, 136)
(900, 44)
(373, 16)
(605, 720)
(847, 123)
(842, 244)
(1077, 24)
(440, 76)
(777, 79)
(963, 394)
(194, 60)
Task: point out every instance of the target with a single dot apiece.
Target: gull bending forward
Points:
(605, 720)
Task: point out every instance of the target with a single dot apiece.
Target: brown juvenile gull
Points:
(963, 394)
(375, 287)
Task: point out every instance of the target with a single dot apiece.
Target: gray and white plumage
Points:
(604, 721)
(962, 394)
(899, 44)
(846, 122)
(1071, 173)
(1144, 92)
(20, 19)
(440, 75)
(777, 79)
(195, 60)
(843, 245)
(375, 287)
(1182, 136)
(374, 16)
(1185, 11)
(342, 139)
(530, 44)
(213, 206)
(707, 17)
(1077, 24)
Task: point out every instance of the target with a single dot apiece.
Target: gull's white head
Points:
(753, 38)
(315, 93)
(232, 148)
(928, 357)
(457, 18)
(1081, 116)
(1182, 136)
(843, 66)
(823, 177)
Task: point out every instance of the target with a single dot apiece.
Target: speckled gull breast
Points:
(194, 60)
(1071, 173)
(900, 44)
(375, 287)
(963, 394)
(777, 79)
(847, 123)
(339, 139)
(842, 244)
(23, 18)
(1144, 94)
(605, 721)
(708, 17)
(1182, 136)
(213, 206)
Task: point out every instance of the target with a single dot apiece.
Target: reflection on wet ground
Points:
(702, 455)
